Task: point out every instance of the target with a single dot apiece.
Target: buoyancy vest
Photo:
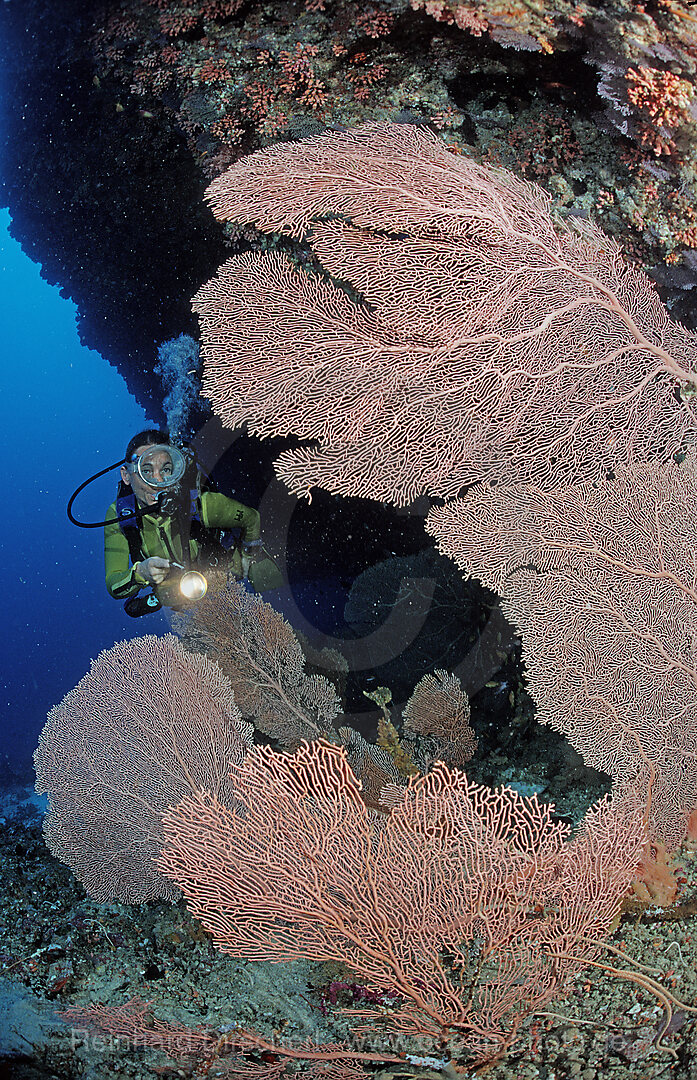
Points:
(129, 524)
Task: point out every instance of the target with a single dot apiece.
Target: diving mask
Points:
(161, 467)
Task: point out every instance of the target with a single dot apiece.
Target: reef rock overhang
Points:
(107, 199)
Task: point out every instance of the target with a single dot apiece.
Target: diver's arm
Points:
(219, 512)
(122, 579)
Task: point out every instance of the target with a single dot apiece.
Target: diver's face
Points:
(157, 467)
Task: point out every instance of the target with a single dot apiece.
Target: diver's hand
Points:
(250, 552)
(154, 569)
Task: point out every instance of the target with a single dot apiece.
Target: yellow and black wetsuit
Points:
(216, 511)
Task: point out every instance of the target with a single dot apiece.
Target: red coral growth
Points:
(149, 62)
(120, 25)
(688, 236)
(314, 95)
(228, 130)
(212, 71)
(666, 98)
(218, 9)
(169, 55)
(540, 146)
(150, 76)
(458, 14)
(362, 79)
(260, 99)
(296, 65)
(149, 79)
(446, 118)
(375, 23)
(467, 19)
(300, 77)
(175, 23)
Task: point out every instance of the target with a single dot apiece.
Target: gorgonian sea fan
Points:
(479, 337)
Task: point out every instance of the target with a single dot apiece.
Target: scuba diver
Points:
(166, 528)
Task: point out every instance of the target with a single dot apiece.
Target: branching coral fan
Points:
(469, 907)
(489, 340)
(148, 723)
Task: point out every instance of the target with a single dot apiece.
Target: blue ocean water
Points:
(65, 414)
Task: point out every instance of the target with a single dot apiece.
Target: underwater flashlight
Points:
(193, 585)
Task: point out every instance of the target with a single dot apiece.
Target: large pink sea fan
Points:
(470, 907)
(149, 724)
(456, 330)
